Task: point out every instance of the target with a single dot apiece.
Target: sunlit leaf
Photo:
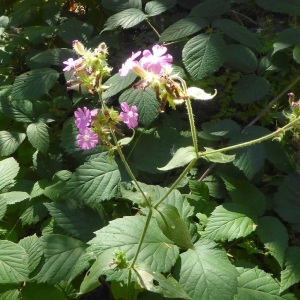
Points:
(9, 169)
(38, 136)
(10, 141)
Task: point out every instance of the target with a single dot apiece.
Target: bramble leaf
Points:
(10, 141)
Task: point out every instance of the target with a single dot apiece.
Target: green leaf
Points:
(281, 6)
(154, 8)
(126, 19)
(296, 53)
(237, 32)
(21, 110)
(223, 128)
(217, 157)
(274, 236)
(3, 208)
(37, 34)
(286, 38)
(33, 247)
(38, 136)
(9, 292)
(255, 284)
(124, 234)
(251, 88)
(290, 275)
(145, 101)
(210, 8)
(205, 272)
(182, 157)
(287, 199)
(10, 141)
(13, 263)
(240, 58)
(117, 83)
(183, 28)
(80, 222)
(33, 84)
(14, 197)
(73, 29)
(203, 55)
(230, 221)
(9, 169)
(95, 181)
(61, 255)
(173, 226)
(32, 291)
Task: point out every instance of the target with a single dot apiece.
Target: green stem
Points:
(192, 124)
(252, 142)
(175, 184)
(153, 28)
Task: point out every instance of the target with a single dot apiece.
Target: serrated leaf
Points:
(255, 284)
(251, 88)
(13, 263)
(61, 255)
(182, 157)
(237, 32)
(95, 181)
(183, 28)
(287, 199)
(80, 222)
(9, 169)
(203, 55)
(154, 8)
(10, 141)
(117, 83)
(145, 101)
(290, 275)
(205, 272)
(14, 197)
(38, 136)
(21, 110)
(210, 8)
(240, 58)
(3, 207)
(124, 235)
(296, 53)
(172, 225)
(32, 246)
(281, 6)
(126, 19)
(230, 221)
(286, 38)
(217, 157)
(274, 236)
(9, 292)
(33, 84)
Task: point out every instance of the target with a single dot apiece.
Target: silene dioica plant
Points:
(117, 181)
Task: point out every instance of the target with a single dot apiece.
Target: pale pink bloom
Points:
(129, 64)
(83, 117)
(129, 115)
(71, 64)
(87, 139)
(157, 61)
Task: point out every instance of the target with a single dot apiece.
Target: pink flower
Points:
(129, 64)
(71, 64)
(157, 61)
(84, 117)
(87, 139)
(129, 115)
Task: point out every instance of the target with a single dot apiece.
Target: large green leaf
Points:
(183, 28)
(205, 272)
(287, 199)
(251, 88)
(126, 19)
(210, 8)
(286, 38)
(240, 58)
(124, 235)
(33, 84)
(13, 263)
(154, 8)
(9, 169)
(95, 181)
(230, 221)
(237, 32)
(203, 55)
(33, 247)
(274, 236)
(281, 6)
(290, 275)
(61, 256)
(14, 197)
(32, 291)
(38, 136)
(256, 284)
(145, 101)
(10, 141)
